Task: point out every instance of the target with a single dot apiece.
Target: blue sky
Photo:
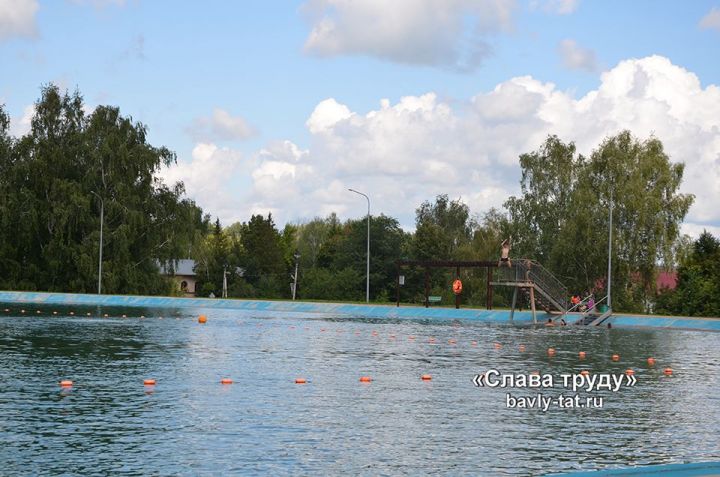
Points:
(276, 105)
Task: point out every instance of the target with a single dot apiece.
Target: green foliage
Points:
(562, 216)
(441, 228)
(263, 257)
(698, 287)
(58, 178)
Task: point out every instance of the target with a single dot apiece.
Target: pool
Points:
(264, 423)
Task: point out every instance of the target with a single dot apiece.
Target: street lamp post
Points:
(102, 219)
(295, 276)
(367, 272)
(609, 280)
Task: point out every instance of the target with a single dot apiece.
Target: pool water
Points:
(109, 422)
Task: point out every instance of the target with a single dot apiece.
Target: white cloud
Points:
(711, 20)
(419, 32)
(326, 114)
(560, 7)
(221, 126)
(208, 179)
(576, 57)
(100, 3)
(695, 230)
(21, 126)
(404, 153)
(17, 18)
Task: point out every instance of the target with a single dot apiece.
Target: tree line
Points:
(72, 167)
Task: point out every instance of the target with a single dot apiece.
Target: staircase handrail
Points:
(543, 278)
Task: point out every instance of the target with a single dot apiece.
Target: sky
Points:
(281, 106)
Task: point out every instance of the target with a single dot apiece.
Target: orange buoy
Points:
(226, 381)
(201, 319)
(651, 361)
(581, 354)
(374, 333)
(457, 287)
(451, 341)
(426, 377)
(411, 337)
(629, 372)
(474, 343)
(522, 348)
(585, 372)
(149, 382)
(551, 351)
(392, 337)
(66, 383)
(300, 381)
(497, 345)
(616, 357)
(668, 371)
(365, 379)
(431, 340)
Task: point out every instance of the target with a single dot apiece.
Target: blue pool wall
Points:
(355, 310)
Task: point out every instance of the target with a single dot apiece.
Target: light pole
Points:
(367, 272)
(295, 277)
(102, 219)
(224, 291)
(609, 281)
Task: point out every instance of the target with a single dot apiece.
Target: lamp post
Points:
(102, 219)
(367, 272)
(295, 277)
(609, 280)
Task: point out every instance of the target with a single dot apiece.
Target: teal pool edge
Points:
(680, 470)
(355, 310)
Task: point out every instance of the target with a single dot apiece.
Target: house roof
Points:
(180, 267)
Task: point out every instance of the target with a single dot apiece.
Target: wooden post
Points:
(489, 292)
(514, 300)
(457, 297)
(427, 288)
(532, 304)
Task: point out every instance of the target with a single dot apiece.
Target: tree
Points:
(441, 228)
(698, 286)
(562, 216)
(62, 173)
(549, 177)
(264, 258)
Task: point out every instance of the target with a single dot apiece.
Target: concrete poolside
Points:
(620, 320)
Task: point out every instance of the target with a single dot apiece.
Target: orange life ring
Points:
(457, 287)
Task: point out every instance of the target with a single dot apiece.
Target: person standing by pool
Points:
(505, 253)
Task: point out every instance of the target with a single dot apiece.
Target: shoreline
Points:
(371, 310)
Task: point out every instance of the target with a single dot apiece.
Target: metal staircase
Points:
(543, 290)
(550, 294)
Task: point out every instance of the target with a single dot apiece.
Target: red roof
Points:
(666, 280)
